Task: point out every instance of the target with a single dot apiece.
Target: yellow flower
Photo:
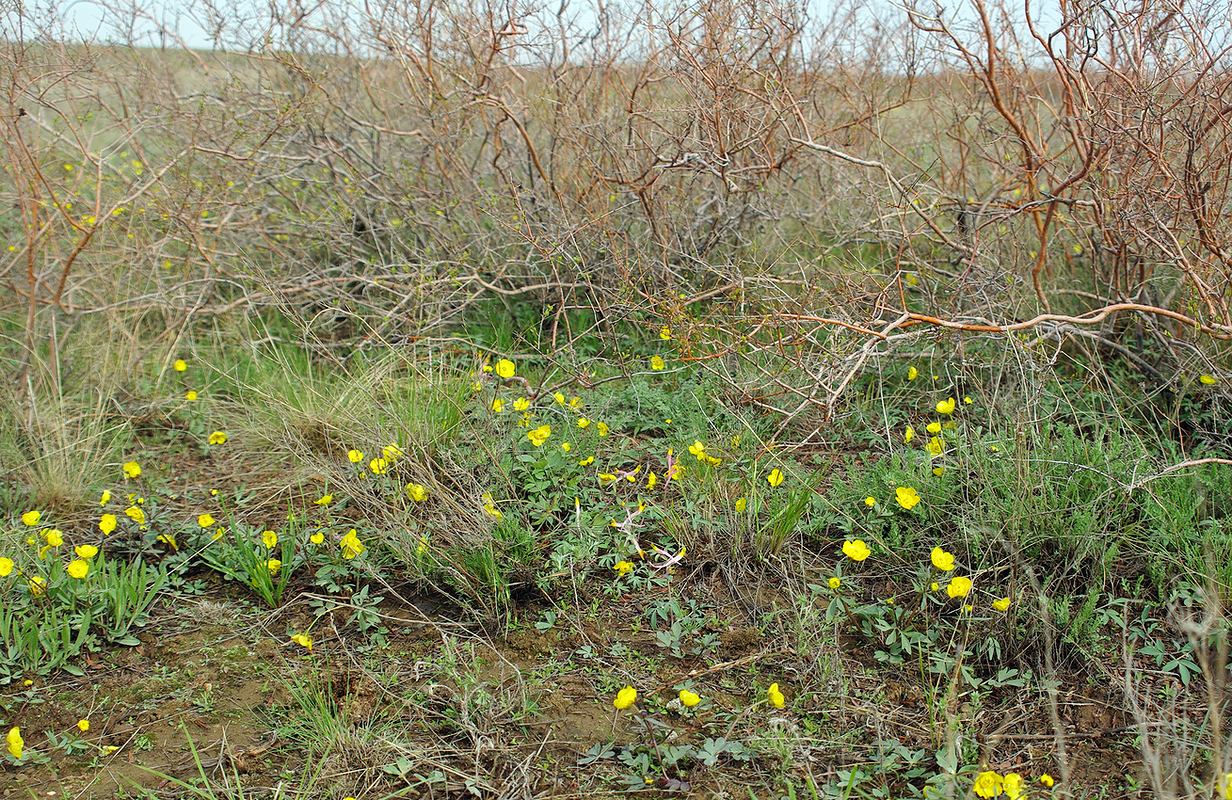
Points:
(870, 501)
(989, 784)
(652, 480)
(656, 362)
(521, 404)
(946, 406)
(625, 698)
(54, 537)
(967, 400)
(417, 492)
(934, 586)
(575, 403)
(131, 469)
(566, 446)
(623, 567)
(422, 547)
(856, 549)
(324, 500)
(937, 471)
(15, 742)
(907, 497)
(317, 538)
(217, 437)
(83, 725)
(1047, 780)
(1001, 604)
(602, 428)
(698, 450)
(775, 696)
(351, 545)
(169, 539)
(539, 435)
(934, 428)
(105, 498)
(912, 373)
(1013, 785)
(355, 456)
(78, 568)
(935, 447)
(559, 398)
(273, 565)
(136, 514)
(505, 368)
(586, 462)
(38, 585)
(775, 478)
(86, 551)
(583, 422)
(835, 582)
(665, 333)
(190, 395)
(742, 503)
(304, 640)
(269, 539)
(205, 520)
(689, 699)
(958, 586)
(31, 518)
(908, 434)
(942, 559)
(180, 365)
(1208, 380)
(6, 567)
(379, 466)
(498, 405)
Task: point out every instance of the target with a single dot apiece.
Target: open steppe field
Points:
(501, 400)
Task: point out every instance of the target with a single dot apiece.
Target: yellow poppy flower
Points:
(946, 406)
(269, 539)
(105, 498)
(351, 545)
(665, 333)
(304, 640)
(870, 501)
(38, 585)
(136, 514)
(689, 699)
(958, 586)
(505, 368)
(273, 565)
(856, 549)
(498, 405)
(776, 477)
(417, 492)
(912, 373)
(908, 435)
(907, 497)
(6, 567)
(539, 435)
(86, 551)
(583, 422)
(602, 428)
(131, 469)
(652, 480)
(83, 725)
(623, 567)
(15, 743)
(78, 568)
(521, 404)
(625, 698)
(934, 428)
(379, 466)
(989, 784)
(1047, 780)
(656, 362)
(742, 503)
(1208, 380)
(180, 365)
(775, 696)
(317, 538)
(217, 437)
(355, 456)
(1001, 604)
(835, 582)
(190, 395)
(205, 520)
(324, 500)
(942, 559)
(31, 518)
